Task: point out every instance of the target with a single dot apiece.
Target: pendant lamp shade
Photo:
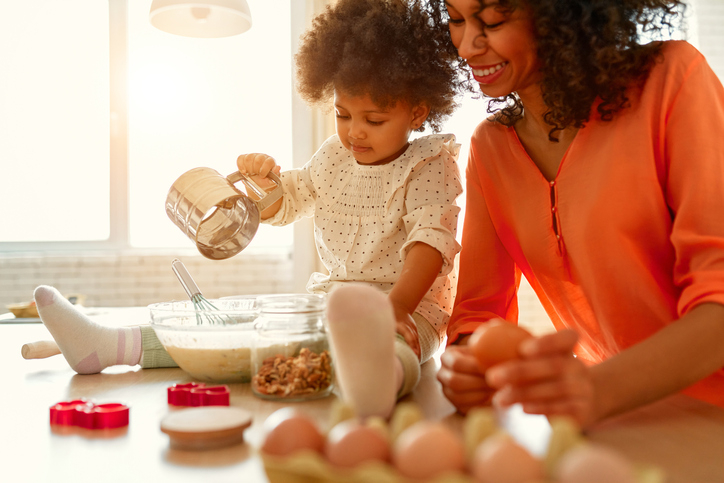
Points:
(201, 18)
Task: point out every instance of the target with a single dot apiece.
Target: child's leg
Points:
(362, 334)
(90, 347)
(407, 366)
(153, 355)
(429, 338)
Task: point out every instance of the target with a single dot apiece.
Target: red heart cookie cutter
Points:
(198, 394)
(86, 414)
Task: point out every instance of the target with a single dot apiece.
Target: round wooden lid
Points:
(206, 427)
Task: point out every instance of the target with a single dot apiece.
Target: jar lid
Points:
(291, 303)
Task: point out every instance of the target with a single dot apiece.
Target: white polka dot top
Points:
(366, 217)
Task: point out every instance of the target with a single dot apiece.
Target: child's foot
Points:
(87, 346)
(362, 333)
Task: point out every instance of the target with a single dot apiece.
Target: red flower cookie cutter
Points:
(198, 394)
(86, 414)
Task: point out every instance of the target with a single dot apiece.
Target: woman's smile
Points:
(488, 74)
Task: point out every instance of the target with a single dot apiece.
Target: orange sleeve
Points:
(695, 184)
(488, 278)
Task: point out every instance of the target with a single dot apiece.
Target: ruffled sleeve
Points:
(433, 184)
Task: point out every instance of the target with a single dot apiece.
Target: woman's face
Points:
(499, 46)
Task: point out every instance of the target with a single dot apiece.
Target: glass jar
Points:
(290, 355)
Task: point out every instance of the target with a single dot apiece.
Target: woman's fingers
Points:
(557, 384)
(462, 382)
(530, 371)
(459, 359)
(466, 401)
(570, 386)
(561, 342)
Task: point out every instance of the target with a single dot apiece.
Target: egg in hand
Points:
(495, 342)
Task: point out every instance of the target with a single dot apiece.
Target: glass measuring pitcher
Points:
(220, 219)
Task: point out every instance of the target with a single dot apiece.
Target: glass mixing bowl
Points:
(210, 345)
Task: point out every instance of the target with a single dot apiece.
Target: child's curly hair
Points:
(588, 49)
(387, 49)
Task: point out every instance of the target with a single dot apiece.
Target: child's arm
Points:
(551, 381)
(258, 166)
(421, 268)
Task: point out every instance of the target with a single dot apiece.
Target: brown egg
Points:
(499, 459)
(594, 463)
(287, 430)
(496, 342)
(351, 443)
(427, 449)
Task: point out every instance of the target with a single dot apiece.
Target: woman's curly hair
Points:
(588, 49)
(390, 50)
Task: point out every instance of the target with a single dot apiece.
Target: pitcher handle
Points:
(266, 198)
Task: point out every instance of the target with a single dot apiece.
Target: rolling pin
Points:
(40, 349)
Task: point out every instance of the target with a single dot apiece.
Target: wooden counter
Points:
(682, 436)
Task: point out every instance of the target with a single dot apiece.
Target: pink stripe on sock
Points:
(121, 352)
(137, 346)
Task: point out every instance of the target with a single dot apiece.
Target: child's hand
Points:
(547, 380)
(257, 166)
(406, 327)
(462, 382)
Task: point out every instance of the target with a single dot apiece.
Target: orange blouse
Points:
(627, 238)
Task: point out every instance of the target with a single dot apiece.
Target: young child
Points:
(383, 206)
(384, 214)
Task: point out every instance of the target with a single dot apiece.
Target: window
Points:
(75, 177)
(54, 121)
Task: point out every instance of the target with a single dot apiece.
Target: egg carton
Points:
(307, 466)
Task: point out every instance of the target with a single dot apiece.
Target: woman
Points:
(600, 177)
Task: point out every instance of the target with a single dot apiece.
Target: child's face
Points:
(374, 135)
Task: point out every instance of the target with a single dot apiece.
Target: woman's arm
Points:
(421, 268)
(549, 380)
(677, 356)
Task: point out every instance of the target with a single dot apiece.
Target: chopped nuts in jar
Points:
(293, 376)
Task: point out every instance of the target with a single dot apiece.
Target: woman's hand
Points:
(547, 379)
(462, 381)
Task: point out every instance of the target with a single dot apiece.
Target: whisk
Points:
(204, 309)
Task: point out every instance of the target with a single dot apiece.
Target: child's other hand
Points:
(462, 382)
(406, 327)
(547, 379)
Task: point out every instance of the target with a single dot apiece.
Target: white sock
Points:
(362, 334)
(87, 346)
